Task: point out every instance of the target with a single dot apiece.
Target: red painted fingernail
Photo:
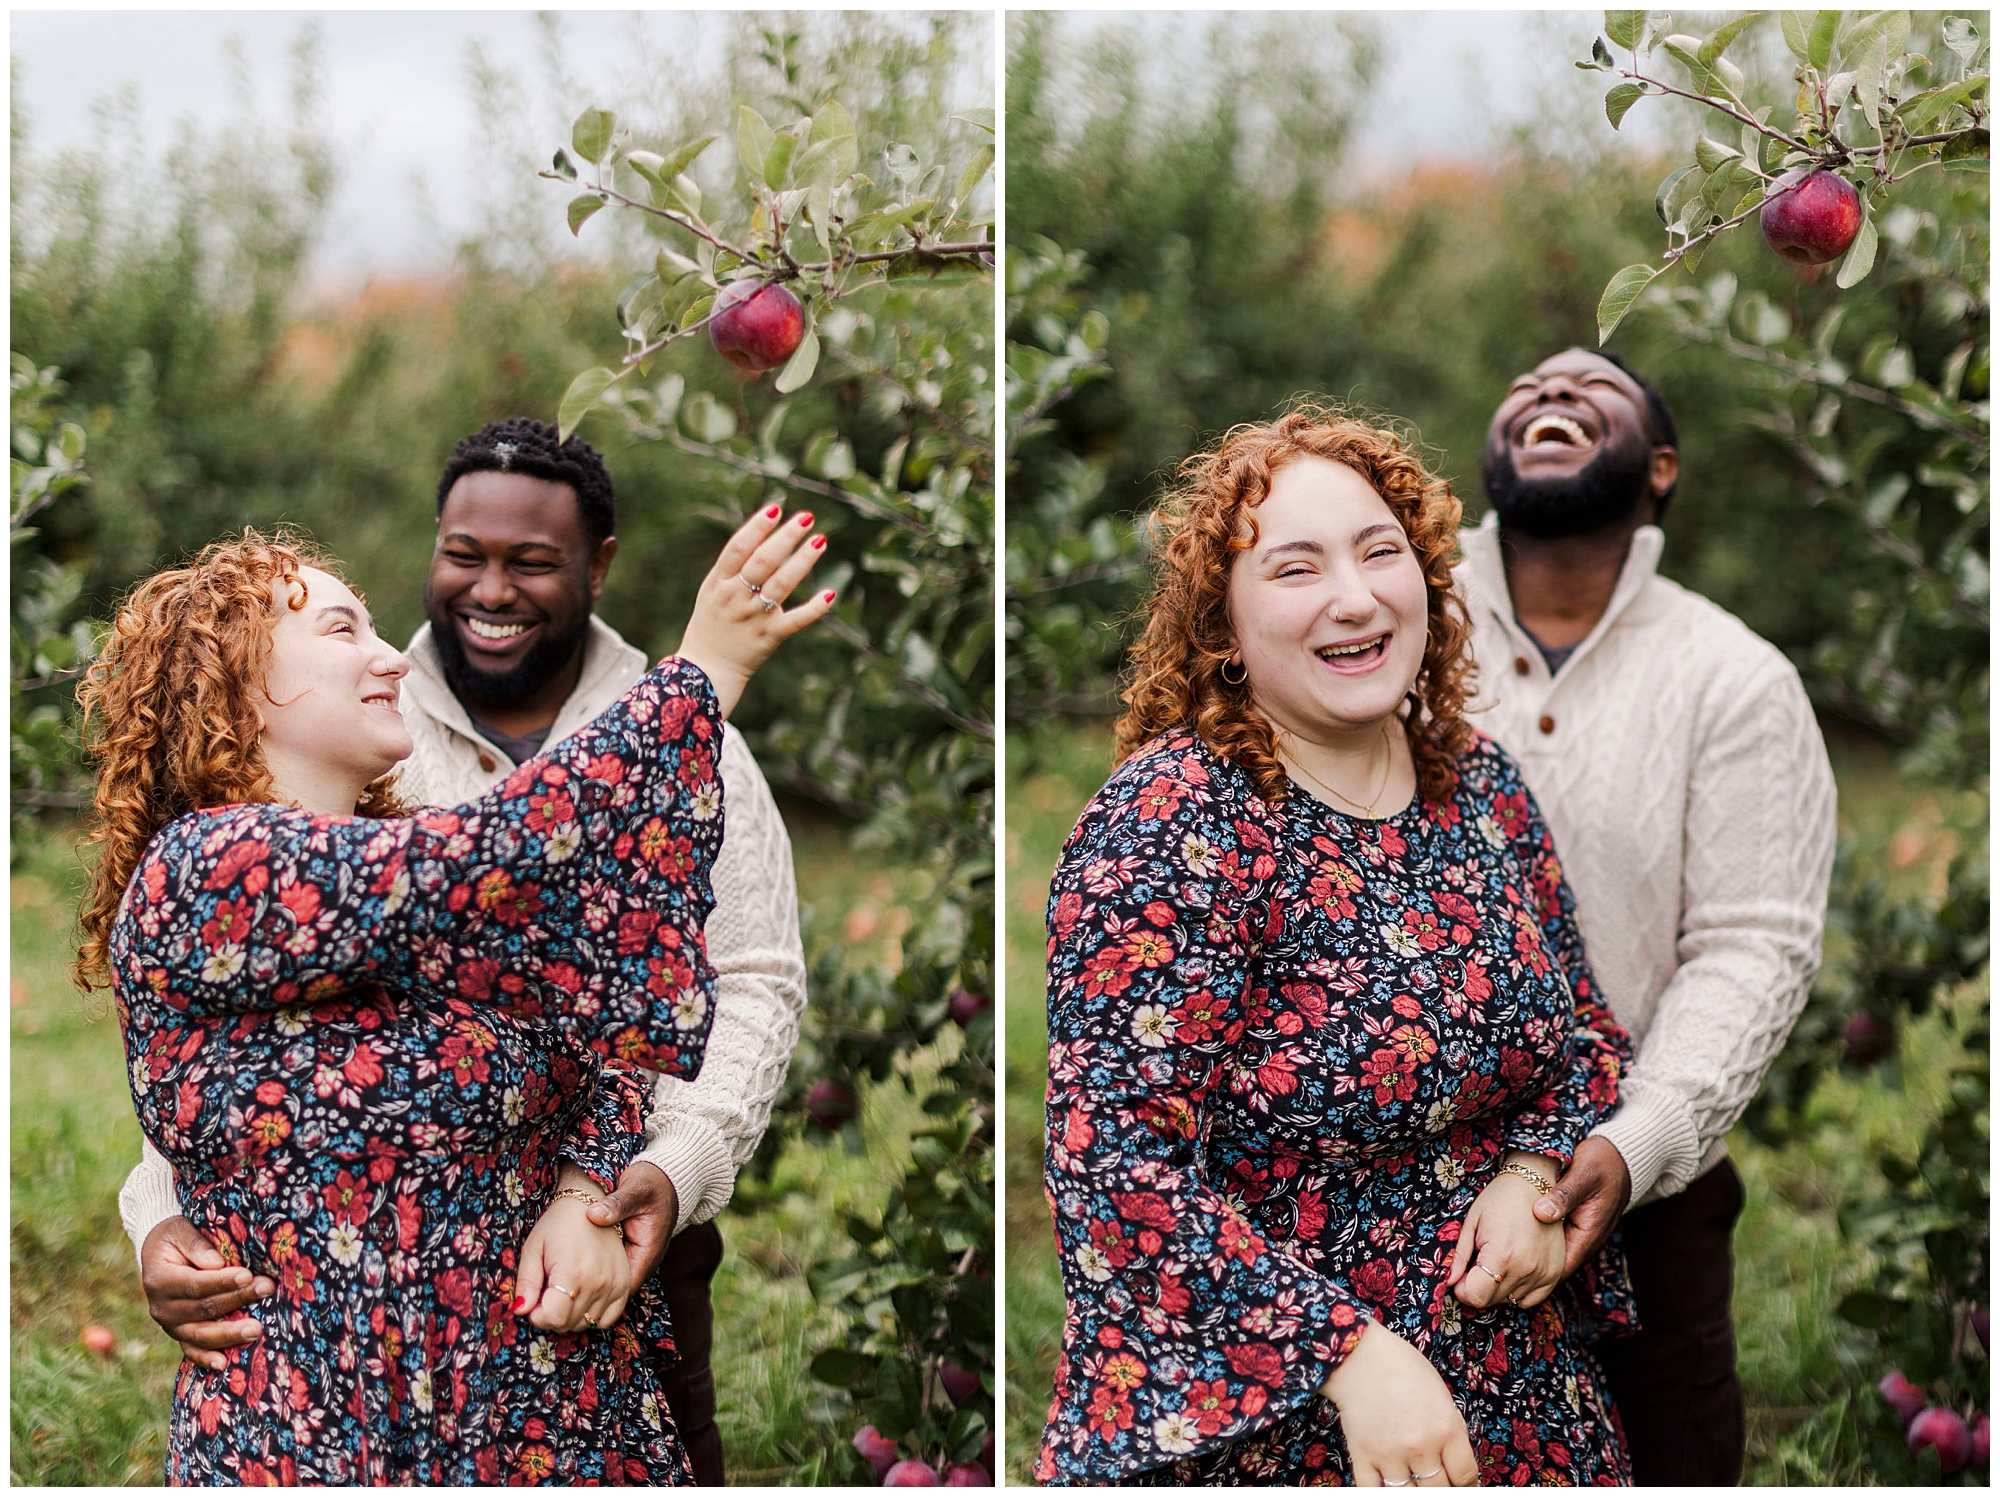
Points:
(520, 1303)
(829, 597)
(806, 518)
(772, 512)
(819, 543)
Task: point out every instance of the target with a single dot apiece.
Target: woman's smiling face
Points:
(332, 684)
(1329, 607)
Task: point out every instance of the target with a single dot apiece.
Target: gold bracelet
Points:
(577, 1193)
(1542, 1187)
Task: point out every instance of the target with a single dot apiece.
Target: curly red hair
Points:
(169, 710)
(1176, 665)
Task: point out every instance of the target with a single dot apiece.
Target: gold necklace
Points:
(1368, 810)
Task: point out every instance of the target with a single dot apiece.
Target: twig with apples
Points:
(739, 284)
(1868, 114)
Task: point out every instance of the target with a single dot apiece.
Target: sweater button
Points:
(1547, 725)
(1520, 665)
(486, 760)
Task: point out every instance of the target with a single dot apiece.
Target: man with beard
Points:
(1677, 761)
(512, 659)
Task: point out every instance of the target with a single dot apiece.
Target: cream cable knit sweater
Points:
(700, 1132)
(1679, 766)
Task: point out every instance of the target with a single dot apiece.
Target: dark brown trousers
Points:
(1675, 1381)
(684, 1274)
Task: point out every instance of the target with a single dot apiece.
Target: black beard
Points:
(538, 667)
(1604, 493)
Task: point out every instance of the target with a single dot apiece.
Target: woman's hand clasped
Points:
(738, 620)
(1401, 1425)
(1506, 1256)
(574, 1274)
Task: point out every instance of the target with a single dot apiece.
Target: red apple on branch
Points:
(1811, 217)
(1904, 1396)
(969, 1474)
(876, 1448)
(923, 1474)
(756, 325)
(1944, 1432)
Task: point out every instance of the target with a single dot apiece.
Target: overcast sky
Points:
(399, 101)
(398, 94)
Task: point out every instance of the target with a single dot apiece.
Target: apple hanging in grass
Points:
(1811, 217)
(756, 325)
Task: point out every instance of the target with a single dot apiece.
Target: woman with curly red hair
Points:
(376, 1045)
(1321, 1026)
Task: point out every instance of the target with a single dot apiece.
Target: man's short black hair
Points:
(521, 444)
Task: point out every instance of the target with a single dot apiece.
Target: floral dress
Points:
(366, 1046)
(1287, 1049)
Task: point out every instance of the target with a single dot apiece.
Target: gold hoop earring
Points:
(1242, 672)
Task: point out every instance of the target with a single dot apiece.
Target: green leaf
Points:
(685, 193)
(683, 157)
(1601, 54)
(799, 368)
(591, 134)
(1860, 257)
(699, 308)
(982, 118)
(778, 159)
(1674, 193)
(1819, 41)
(1870, 1310)
(1686, 50)
(582, 394)
(903, 164)
(1620, 99)
(1619, 294)
(1796, 29)
(975, 170)
(839, 1366)
(1963, 38)
(1968, 150)
(70, 440)
(1717, 41)
(671, 266)
(564, 167)
(1624, 27)
(580, 209)
(753, 140)
(647, 164)
(1712, 155)
(1919, 110)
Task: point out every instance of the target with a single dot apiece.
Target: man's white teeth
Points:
(1558, 428)
(494, 631)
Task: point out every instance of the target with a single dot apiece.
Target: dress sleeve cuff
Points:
(147, 1199)
(1654, 1133)
(695, 1157)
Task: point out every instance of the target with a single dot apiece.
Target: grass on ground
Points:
(81, 1419)
(1805, 1422)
